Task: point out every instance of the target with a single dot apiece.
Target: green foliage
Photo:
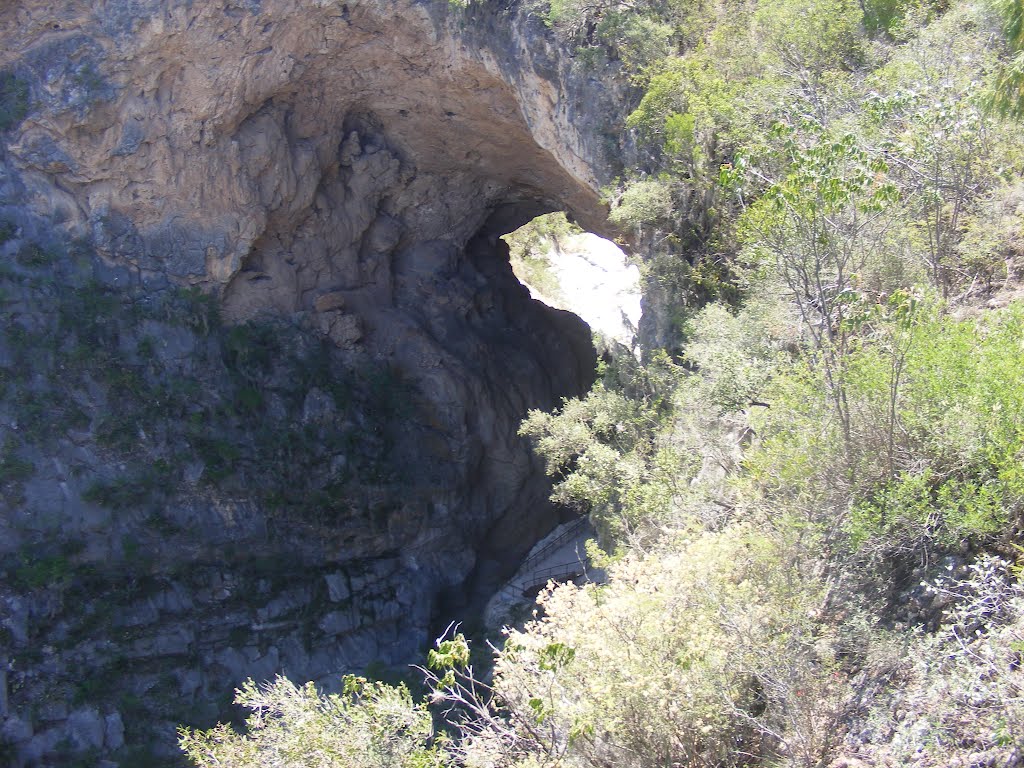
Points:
(964, 679)
(642, 203)
(737, 354)
(14, 100)
(694, 655)
(34, 256)
(1008, 94)
(812, 36)
(992, 238)
(935, 436)
(663, 97)
(250, 349)
(529, 249)
(36, 571)
(368, 725)
(8, 230)
(124, 493)
(946, 149)
(639, 41)
(193, 309)
(13, 468)
(607, 458)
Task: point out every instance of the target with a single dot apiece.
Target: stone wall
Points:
(263, 358)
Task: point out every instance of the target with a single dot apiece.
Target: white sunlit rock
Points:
(597, 283)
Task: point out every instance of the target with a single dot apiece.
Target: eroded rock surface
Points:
(335, 175)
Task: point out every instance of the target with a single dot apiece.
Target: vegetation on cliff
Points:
(810, 506)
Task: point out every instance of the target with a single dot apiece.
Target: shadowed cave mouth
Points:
(404, 261)
(569, 275)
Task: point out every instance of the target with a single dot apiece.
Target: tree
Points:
(822, 225)
(1008, 96)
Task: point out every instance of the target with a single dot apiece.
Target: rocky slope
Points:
(263, 358)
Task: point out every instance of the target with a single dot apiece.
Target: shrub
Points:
(934, 442)
(120, 494)
(14, 100)
(645, 202)
(812, 35)
(702, 654)
(958, 694)
(8, 230)
(34, 256)
(368, 725)
(13, 468)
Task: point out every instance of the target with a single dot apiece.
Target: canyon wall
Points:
(263, 358)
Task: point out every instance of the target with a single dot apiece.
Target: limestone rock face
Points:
(344, 167)
(306, 141)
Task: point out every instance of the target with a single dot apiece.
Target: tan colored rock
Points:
(329, 301)
(187, 139)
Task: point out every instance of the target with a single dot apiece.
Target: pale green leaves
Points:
(368, 725)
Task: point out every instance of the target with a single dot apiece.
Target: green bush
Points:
(701, 654)
(812, 35)
(34, 256)
(13, 468)
(645, 202)
(369, 725)
(8, 230)
(122, 493)
(14, 100)
(37, 571)
(934, 446)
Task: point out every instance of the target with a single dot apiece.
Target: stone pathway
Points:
(559, 556)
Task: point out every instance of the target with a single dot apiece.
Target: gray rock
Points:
(85, 729)
(283, 604)
(337, 623)
(14, 730)
(337, 587)
(43, 745)
(174, 600)
(52, 710)
(356, 651)
(139, 614)
(234, 661)
(318, 407)
(264, 179)
(174, 641)
(263, 667)
(14, 617)
(113, 731)
(189, 682)
(131, 137)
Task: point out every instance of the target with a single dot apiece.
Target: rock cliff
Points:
(263, 358)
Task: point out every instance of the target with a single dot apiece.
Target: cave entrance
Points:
(569, 268)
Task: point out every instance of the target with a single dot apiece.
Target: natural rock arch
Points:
(352, 163)
(350, 167)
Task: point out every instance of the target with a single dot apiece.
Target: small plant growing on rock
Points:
(14, 100)
(34, 256)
